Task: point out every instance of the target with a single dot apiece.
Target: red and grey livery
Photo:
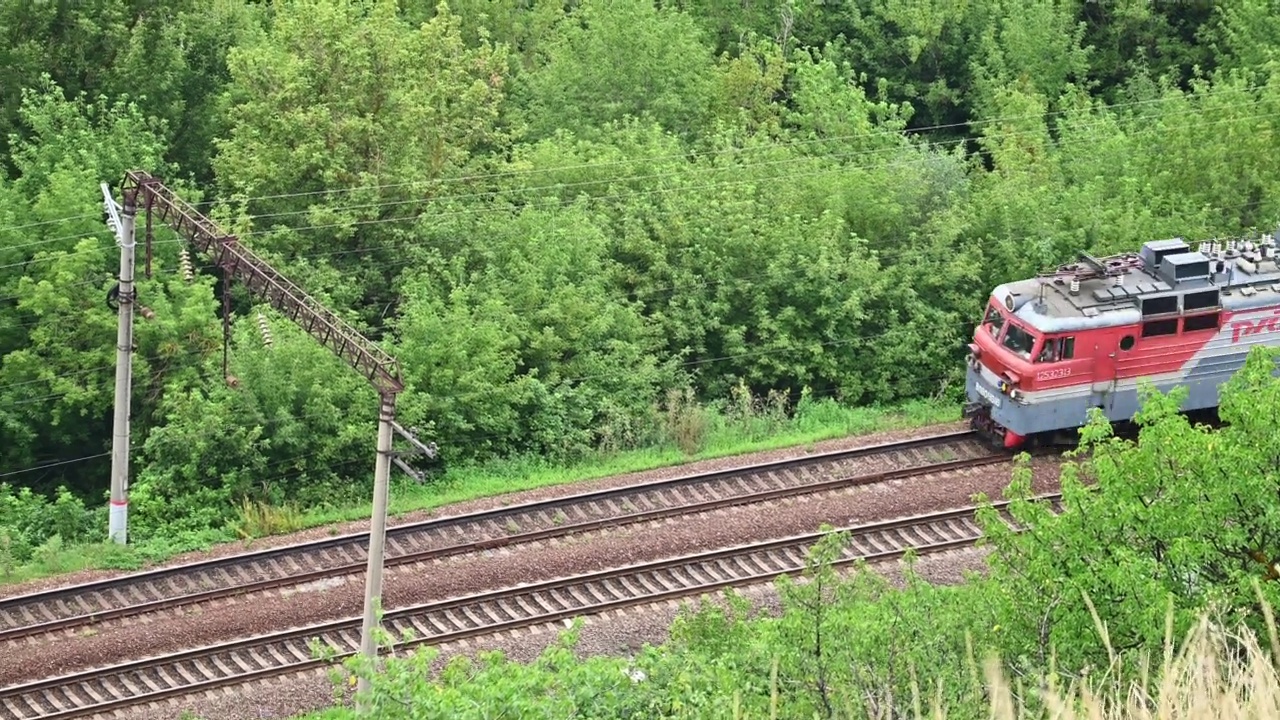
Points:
(1051, 347)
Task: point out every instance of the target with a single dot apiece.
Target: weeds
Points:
(685, 422)
(258, 519)
(1218, 674)
(8, 563)
(758, 417)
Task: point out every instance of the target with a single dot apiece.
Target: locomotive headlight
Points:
(1005, 387)
(975, 352)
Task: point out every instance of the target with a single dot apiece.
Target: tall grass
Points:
(259, 519)
(1219, 674)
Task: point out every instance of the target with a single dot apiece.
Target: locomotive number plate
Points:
(1054, 374)
(990, 396)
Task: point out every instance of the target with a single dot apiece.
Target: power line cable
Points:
(702, 361)
(694, 170)
(813, 394)
(685, 154)
(618, 196)
(620, 296)
(726, 183)
(53, 464)
(30, 261)
(79, 373)
(807, 347)
(766, 147)
(41, 223)
(437, 216)
(10, 298)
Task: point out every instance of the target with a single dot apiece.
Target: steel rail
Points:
(521, 538)
(485, 613)
(22, 612)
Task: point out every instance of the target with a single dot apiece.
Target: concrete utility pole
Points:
(118, 517)
(377, 535)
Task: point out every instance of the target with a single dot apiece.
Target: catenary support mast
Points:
(381, 370)
(118, 512)
(377, 531)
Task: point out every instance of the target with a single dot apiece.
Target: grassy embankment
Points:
(716, 436)
(1220, 672)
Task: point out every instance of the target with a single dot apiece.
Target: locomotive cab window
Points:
(1057, 349)
(1020, 341)
(994, 321)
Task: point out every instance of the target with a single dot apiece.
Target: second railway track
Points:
(153, 679)
(166, 588)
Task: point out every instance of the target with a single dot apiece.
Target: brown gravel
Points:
(617, 633)
(463, 574)
(636, 478)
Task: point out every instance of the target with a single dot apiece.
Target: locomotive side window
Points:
(1153, 328)
(1057, 349)
(994, 321)
(1126, 342)
(1200, 322)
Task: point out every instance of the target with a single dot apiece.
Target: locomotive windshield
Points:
(1019, 341)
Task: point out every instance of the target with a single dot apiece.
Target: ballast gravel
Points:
(462, 574)
(612, 634)
(544, 493)
(413, 584)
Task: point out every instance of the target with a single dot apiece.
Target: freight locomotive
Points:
(1051, 347)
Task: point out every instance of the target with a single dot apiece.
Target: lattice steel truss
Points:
(241, 264)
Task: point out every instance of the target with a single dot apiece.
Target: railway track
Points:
(218, 666)
(64, 609)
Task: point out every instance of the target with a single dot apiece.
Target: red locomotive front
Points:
(1051, 348)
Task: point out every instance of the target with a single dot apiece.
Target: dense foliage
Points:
(1152, 534)
(567, 219)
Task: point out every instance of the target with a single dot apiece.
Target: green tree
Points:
(57, 335)
(749, 85)
(621, 58)
(1134, 42)
(346, 117)
(827, 103)
(168, 57)
(1241, 33)
(520, 343)
(1035, 44)
(917, 52)
(1183, 517)
(521, 25)
(294, 423)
